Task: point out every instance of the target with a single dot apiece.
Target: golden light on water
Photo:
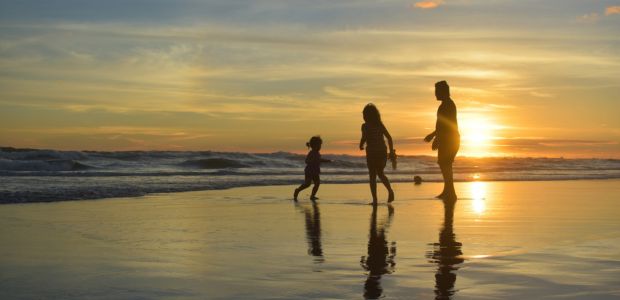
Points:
(478, 193)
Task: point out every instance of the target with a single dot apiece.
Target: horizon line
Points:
(17, 149)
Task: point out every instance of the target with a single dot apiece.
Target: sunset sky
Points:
(529, 78)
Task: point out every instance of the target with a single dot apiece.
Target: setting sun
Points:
(477, 135)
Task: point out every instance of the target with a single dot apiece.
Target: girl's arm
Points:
(389, 138)
(363, 139)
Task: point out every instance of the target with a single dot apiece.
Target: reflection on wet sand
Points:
(313, 231)
(380, 259)
(446, 254)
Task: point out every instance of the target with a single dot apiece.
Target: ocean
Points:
(33, 175)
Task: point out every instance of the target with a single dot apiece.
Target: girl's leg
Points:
(372, 173)
(302, 187)
(386, 183)
(317, 183)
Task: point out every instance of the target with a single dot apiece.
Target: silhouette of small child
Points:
(313, 167)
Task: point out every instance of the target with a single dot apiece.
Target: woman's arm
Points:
(430, 136)
(433, 134)
(363, 139)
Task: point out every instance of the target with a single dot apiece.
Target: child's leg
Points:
(302, 187)
(386, 183)
(372, 173)
(317, 183)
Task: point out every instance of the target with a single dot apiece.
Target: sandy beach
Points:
(505, 240)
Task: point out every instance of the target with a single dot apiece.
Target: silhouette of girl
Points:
(313, 167)
(373, 132)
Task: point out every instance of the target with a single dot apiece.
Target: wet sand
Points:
(502, 240)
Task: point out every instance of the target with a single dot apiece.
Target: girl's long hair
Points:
(372, 115)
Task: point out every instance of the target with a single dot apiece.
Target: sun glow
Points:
(477, 135)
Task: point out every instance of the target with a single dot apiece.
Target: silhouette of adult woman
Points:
(446, 254)
(380, 259)
(446, 138)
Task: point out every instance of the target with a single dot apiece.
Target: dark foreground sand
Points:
(507, 240)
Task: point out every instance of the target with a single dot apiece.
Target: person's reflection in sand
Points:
(380, 259)
(313, 231)
(446, 254)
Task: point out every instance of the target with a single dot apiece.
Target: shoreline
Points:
(323, 184)
(293, 185)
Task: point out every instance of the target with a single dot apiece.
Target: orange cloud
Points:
(428, 4)
(612, 10)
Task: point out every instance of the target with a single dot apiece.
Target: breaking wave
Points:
(33, 175)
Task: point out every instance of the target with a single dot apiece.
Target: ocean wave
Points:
(214, 163)
(36, 175)
(43, 165)
(34, 154)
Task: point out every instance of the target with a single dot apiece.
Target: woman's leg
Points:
(448, 180)
(444, 175)
(445, 159)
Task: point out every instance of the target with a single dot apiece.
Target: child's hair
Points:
(314, 141)
(371, 114)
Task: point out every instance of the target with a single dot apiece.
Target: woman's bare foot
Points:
(449, 196)
(314, 198)
(295, 194)
(391, 196)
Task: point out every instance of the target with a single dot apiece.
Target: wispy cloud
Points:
(254, 69)
(612, 10)
(541, 94)
(588, 18)
(430, 4)
(551, 142)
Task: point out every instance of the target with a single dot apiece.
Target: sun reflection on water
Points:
(478, 194)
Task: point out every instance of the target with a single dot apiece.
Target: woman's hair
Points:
(371, 114)
(314, 141)
(443, 87)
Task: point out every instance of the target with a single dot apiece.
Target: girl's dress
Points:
(376, 150)
(313, 164)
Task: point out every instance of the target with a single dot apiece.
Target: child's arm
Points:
(389, 138)
(363, 139)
